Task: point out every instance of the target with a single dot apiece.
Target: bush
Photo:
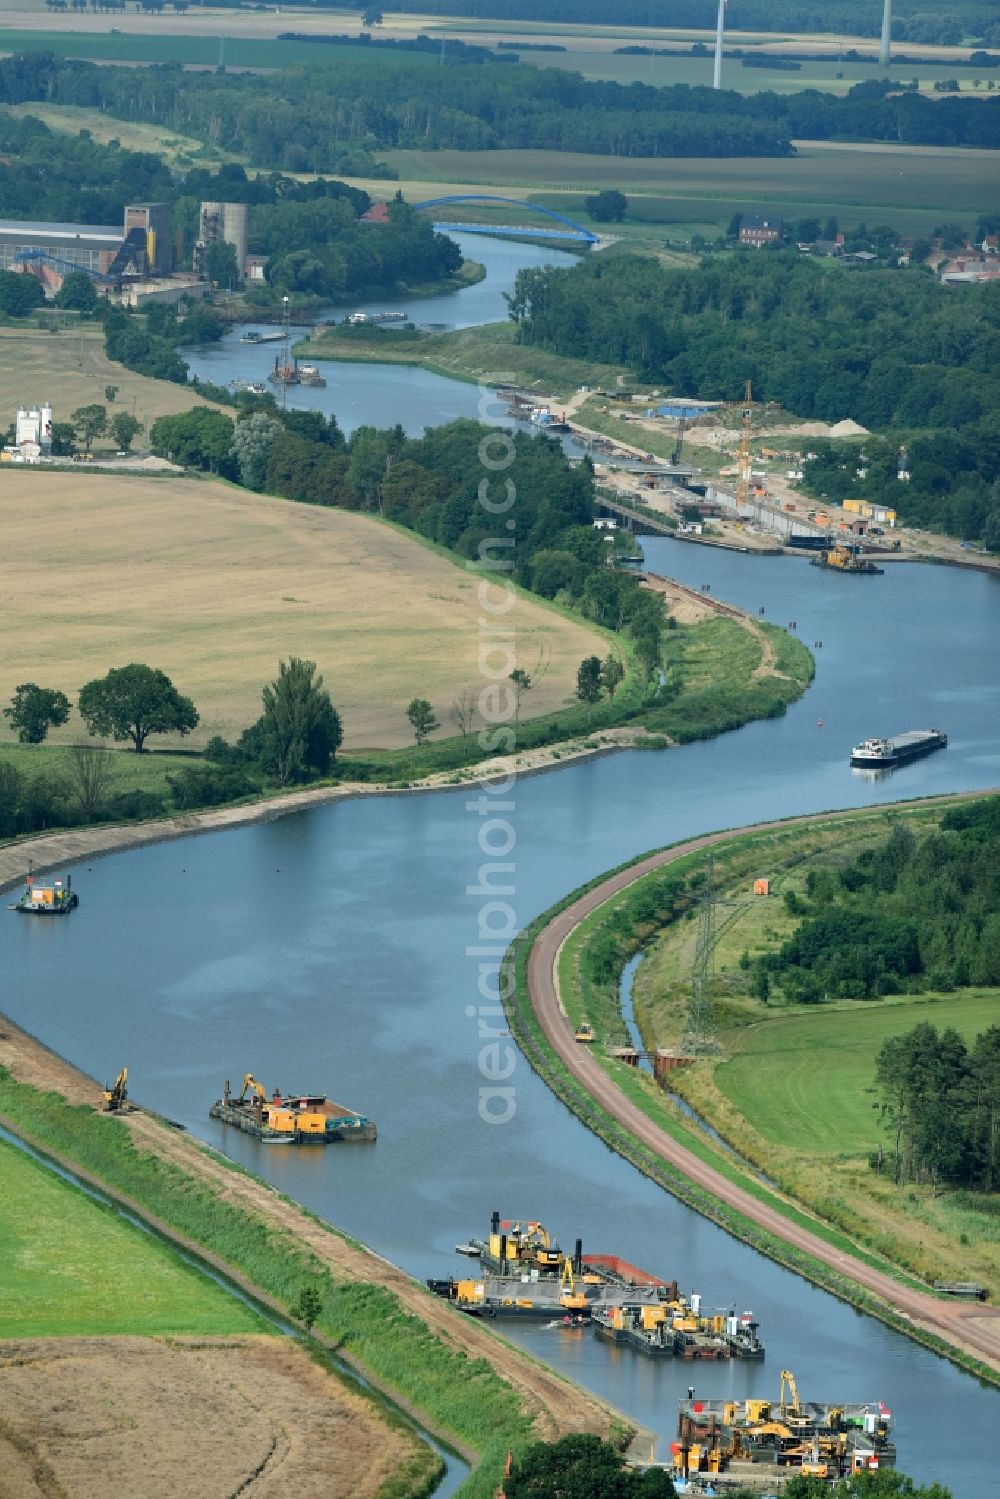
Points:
(210, 787)
(135, 806)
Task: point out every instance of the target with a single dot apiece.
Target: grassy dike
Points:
(461, 1400)
(539, 1053)
(490, 352)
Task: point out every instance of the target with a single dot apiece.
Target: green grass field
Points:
(804, 1081)
(70, 1267)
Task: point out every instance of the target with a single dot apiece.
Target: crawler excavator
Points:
(116, 1096)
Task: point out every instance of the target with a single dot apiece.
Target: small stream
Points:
(456, 1469)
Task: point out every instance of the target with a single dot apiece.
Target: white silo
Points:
(45, 428)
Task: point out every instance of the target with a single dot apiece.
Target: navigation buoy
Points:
(819, 723)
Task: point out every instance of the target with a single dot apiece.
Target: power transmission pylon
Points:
(701, 1033)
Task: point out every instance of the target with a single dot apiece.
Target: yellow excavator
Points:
(790, 1407)
(116, 1096)
(251, 1085)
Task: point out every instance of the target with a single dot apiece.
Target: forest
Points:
(941, 1101)
(332, 119)
(910, 915)
(889, 348)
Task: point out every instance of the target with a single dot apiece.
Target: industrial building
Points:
(88, 247)
(142, 245)
(222, 223)
(32, 435)
(155, 220)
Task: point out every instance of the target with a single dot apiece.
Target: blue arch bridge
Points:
(571, 231)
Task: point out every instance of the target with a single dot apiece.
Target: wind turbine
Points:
(720, 27)
(885, 47)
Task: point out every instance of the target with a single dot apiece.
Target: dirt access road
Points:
(973, 1328)
(558, 1406)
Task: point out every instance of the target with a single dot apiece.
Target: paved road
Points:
(972, 1327)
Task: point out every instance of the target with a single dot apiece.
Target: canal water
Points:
(379, 395)
(329, 951)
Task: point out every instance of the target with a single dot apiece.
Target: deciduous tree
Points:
(588, 683)
(422, 719)
(124, 427)
(300, 730)
(134, 701)
(89, 422)
(34, 710)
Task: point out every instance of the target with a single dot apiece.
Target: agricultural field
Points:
(116, 1357)
(213, 584)
(914, 188)
(69, 368)
(591, 50)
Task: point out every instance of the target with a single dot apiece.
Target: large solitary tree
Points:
(34, 710)
(134, 701)
(422, 718)
(588, 683)
(300, 729)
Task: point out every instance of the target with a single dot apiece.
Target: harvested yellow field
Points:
(213, 585)
(70, 369)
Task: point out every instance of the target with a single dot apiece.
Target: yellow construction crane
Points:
(116, 1097)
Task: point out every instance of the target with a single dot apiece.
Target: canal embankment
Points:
(672, 1156)
(468, 1387)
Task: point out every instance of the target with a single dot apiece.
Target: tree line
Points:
(330, 119)
(908, 916)
(889, 348)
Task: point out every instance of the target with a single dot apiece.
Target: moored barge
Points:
(291, 1118)
(524, 1274)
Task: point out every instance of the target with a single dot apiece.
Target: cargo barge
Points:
(290, 1118)
(524, 1274)
(773, 1439)
(886, 754)
(53, 897)
(252, 336)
